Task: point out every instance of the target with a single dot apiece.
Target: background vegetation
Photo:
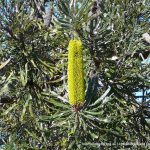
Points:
(34, 36)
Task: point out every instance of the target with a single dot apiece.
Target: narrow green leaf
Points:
(9, 109)
(2, 65)
(24, 109)
(102, 97)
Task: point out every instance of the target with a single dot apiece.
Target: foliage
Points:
(34, 37)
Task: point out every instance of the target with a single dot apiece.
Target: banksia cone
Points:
(75, 74)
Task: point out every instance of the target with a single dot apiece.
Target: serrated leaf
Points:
(102, 97)
(58, 104)
(5, 87)
(24, 75)
(24, 109)
(2, 65)
(32, 134)
(64, 8)
(9, 109)
(30, 109)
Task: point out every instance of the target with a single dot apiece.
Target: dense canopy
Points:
(35, 111)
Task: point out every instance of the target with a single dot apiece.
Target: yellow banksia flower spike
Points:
(75, 74)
